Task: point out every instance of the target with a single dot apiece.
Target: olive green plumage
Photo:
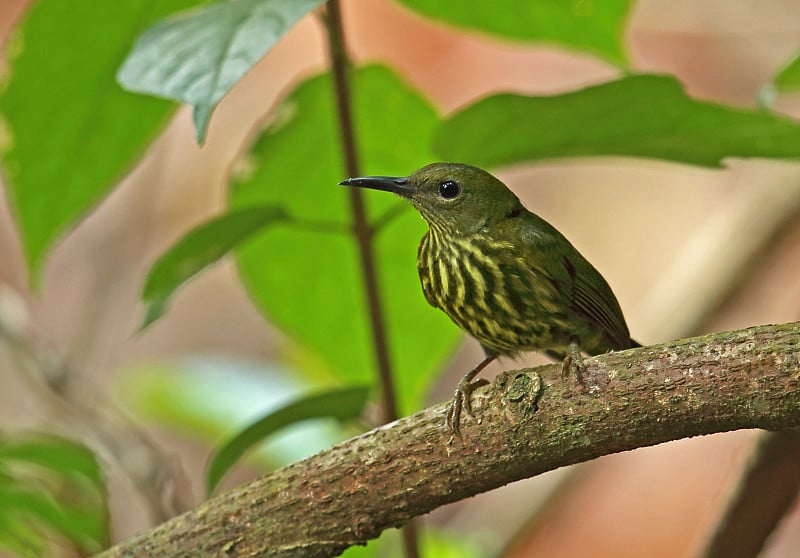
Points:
(502, 273)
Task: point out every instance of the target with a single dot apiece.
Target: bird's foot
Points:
(573, 364)
(461, 401)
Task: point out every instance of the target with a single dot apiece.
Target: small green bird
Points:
(503, 274)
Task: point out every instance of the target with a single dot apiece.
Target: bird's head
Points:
(457, 198)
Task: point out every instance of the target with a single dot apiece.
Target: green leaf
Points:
(211, 399)
(18, 538)
(81, 528)
(340, 404)
(595, 26)
(788, 79)
(637, 116)
(70, 132)
(432, 541)
(316, 293)
(198, 56)
(201, 247)
(57, 454)
(51, 484)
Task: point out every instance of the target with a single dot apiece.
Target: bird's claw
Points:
(461, 402)
(573, 364)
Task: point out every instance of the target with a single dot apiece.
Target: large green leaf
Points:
(637, 116)
(341, 404)
(199, 248)
(308, 281)
(595, 26)
(70, 132)
(788, 79)
(197, 57)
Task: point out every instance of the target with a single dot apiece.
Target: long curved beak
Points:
(396, 184)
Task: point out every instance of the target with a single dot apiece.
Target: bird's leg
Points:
(461, 398)
(573, 364)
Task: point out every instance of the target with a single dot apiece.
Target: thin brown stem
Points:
(363, 232)
(361, 228)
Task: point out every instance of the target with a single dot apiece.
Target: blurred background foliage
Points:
(151, 391)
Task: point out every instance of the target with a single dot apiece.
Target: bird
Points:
(503, 274)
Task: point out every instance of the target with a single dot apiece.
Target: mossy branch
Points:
(531, 421)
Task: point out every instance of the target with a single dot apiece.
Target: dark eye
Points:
(449, 189)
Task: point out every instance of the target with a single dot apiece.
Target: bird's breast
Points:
(488, 289)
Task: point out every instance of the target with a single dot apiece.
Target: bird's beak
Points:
(396, 184)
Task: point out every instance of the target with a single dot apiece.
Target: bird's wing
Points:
(586, 291)
(594, 299)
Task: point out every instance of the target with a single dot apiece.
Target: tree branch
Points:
(351, 492)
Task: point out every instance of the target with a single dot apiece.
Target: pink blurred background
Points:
(649, 226)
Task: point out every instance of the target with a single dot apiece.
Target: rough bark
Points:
(531, 421)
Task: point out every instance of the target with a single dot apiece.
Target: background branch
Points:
(350, 493)
(765, 494)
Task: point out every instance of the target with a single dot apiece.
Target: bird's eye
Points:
(449, 189)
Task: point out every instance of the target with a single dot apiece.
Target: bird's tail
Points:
(634, 344)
